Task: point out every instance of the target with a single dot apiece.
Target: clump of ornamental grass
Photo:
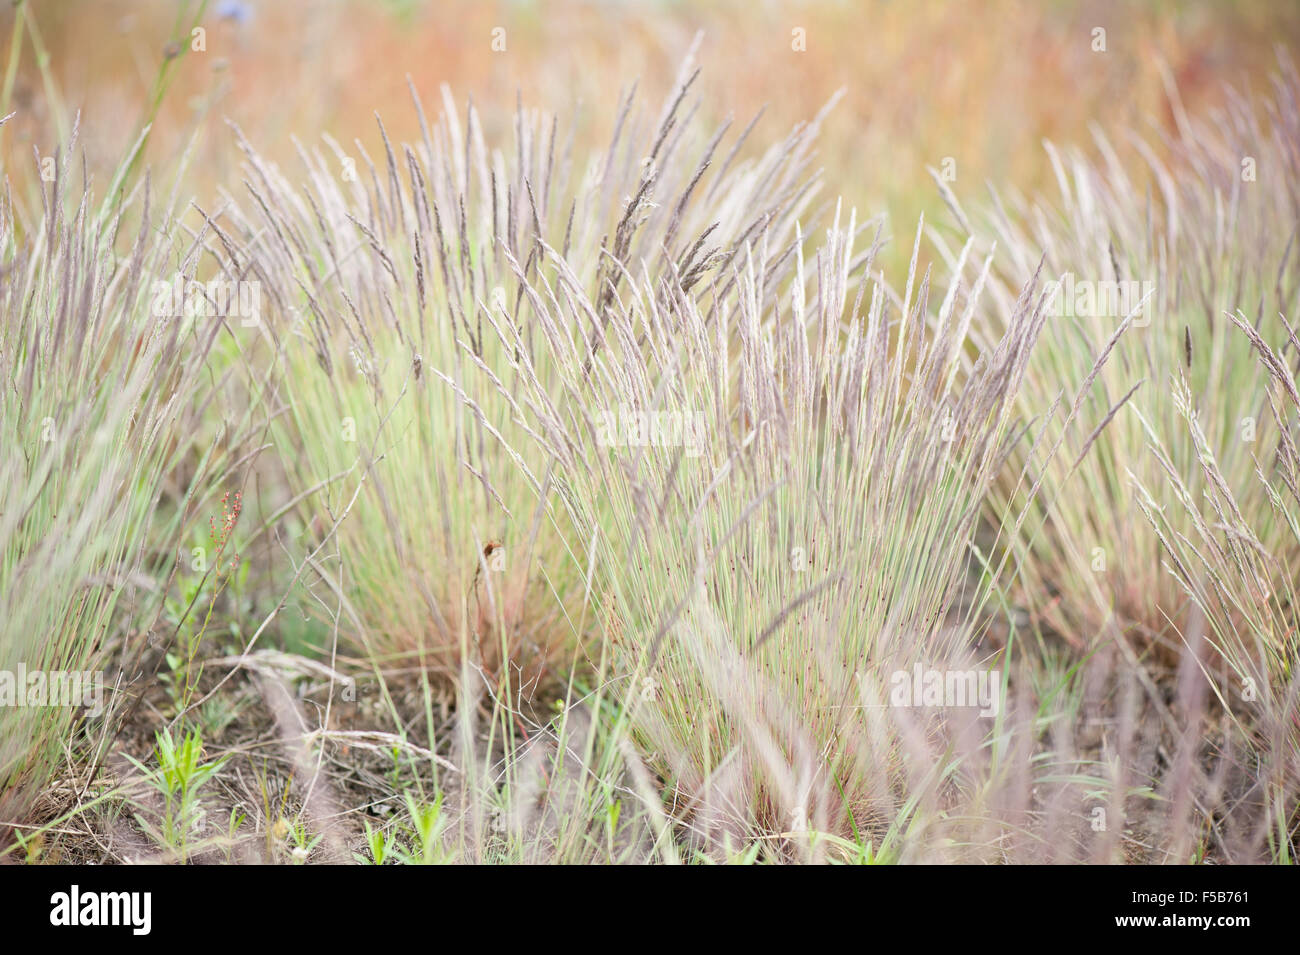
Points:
(390, 287)
(772, 472)
(782, 498)
(1237, 563)
(1206, 228)
(110, 457)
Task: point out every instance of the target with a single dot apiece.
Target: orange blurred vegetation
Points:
(982, 83)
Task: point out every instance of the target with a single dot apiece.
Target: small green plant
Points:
(181, 678)
(428, 824)
(303, 843)
(233, 825)
(380, 844)
(179, 776)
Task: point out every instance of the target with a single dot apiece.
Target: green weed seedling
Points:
(179, 777)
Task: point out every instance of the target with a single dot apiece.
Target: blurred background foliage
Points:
(981, 83)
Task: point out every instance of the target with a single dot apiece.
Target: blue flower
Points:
(235, 10)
